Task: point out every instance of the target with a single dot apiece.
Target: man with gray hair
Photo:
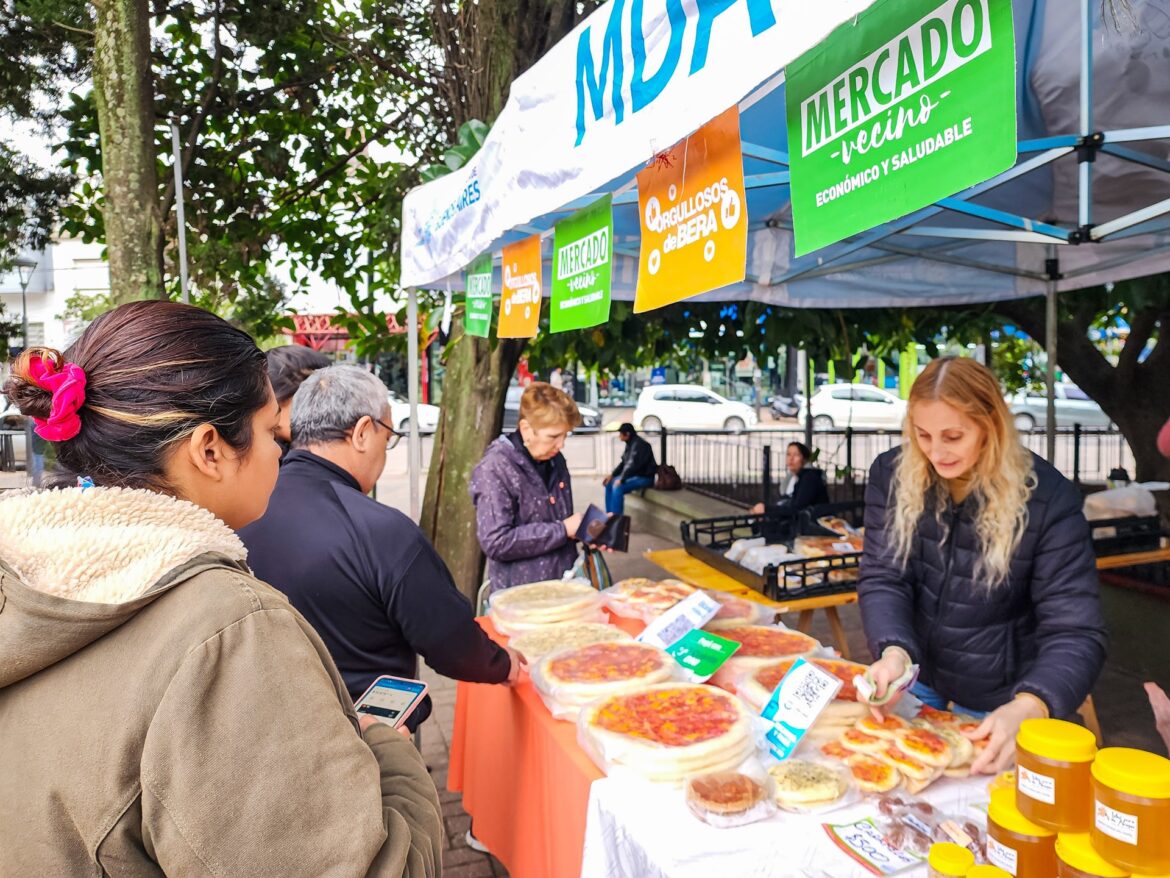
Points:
(362, 573)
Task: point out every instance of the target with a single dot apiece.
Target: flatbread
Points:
(536, 644)
(861, 742)
(800, 784)
(545, 603)
(889, 727)
(872, 775)
(910, 768)
(926, 746)
(668, 731)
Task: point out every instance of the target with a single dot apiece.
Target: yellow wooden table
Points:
(682, 565)
(1133, 559)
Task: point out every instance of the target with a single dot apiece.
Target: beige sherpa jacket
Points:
(164, 713)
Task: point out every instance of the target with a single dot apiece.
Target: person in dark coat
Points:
(635, 471)
(288, 366)
(978, 565)
(362, 573)
(804, 485)
(523, 495)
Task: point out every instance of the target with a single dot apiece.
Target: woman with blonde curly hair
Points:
(978, 565)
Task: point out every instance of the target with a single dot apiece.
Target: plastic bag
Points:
(740, 547)
(1120, 503)
(913, 824)
(645, 599)
(547, 639)
(727, 799)
(564, 699)
(759, 557)
(738, 611)
(781, 777)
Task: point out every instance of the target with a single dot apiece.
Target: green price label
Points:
(702, 653)
(913, 103)
(583, 256)
(477, 303)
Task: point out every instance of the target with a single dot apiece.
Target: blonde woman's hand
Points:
(999, 729)
(885, 671)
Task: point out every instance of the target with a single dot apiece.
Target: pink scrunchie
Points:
(68, 389)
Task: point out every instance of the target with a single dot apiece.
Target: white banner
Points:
(630, 81)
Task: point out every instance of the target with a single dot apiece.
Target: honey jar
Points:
(948, 860)
(1016, 844)
(1053, 760)
(1131, 809)
(985, 871)
(1075, 858)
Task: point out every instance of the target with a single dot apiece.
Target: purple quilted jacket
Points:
(518, 520)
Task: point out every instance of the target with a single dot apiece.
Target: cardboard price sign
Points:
(520, 299)
(915, 102)
(477, 301)
(582, 263)
(693, 211)
(800, 697)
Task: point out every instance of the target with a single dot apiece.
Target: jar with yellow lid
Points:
(1016, 844)
(1131, 809)
(985, 871)
(948, 860)
(1052, 774)
(1003, 780)
(1075, 858)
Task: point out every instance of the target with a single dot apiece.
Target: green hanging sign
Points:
(913, 103)
(582, 259)
(477, 303)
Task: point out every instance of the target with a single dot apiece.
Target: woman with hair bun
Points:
(978, 565)
(162, 711)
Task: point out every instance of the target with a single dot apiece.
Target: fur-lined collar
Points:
(106, 545)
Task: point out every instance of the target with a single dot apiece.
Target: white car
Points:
(1073, 406)
(690, 407)
(428, 415)
(860, 406)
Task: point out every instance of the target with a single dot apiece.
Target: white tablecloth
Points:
(642, 830)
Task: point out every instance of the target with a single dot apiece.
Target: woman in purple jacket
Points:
(523, 496)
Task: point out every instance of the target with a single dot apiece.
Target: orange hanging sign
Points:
(693, 213)
(521, 289)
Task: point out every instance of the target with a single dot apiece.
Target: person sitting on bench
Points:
(804, 485)
(634, 471)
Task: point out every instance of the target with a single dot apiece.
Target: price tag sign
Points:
(687, 615)
(864, 842)
(702, 654)
(801, 696)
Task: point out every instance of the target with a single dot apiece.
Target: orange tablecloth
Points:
(525, 781)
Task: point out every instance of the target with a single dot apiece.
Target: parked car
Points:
(428, 415)
(690, 407)
(590, 417)
(860, 406)
(1030, 409)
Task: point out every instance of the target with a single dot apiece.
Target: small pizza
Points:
(734, 611)
(908, 765)
(926, 746)
(836, 525)
(723, 793)
(641, 598)
(821, 547)
(916, 785)
(800, 784)
(860, 742)
(887, 727)
(668, 731)
(962, 750)
(872, 775)
(763, 644)
(534, 645)
(836, 750)
(545, 603)
(936, 717)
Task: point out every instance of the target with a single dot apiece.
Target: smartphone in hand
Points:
(391, 699)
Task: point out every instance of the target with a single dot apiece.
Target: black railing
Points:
(748, 468)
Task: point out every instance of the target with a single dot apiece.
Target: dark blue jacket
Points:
(367, 580)
(1041, 631)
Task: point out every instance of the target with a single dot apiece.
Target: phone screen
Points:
(389, 698)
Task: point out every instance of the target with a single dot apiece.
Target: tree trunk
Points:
(476, 383)
(123, 89)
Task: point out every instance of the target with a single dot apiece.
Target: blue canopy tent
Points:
(1088, 200)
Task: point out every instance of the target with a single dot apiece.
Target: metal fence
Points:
(735, 467)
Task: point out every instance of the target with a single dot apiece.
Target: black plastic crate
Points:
(1134, 533)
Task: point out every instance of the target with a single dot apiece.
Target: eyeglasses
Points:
(395, 436)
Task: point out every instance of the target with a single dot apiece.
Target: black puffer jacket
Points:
(1040, 632)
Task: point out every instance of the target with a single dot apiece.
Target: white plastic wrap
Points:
(736, 611)
(611, 662)
(703, 730)
(847, 793)
(740, 547)
(759, 557)
(547, 639)
(727, 799)
(526, 607)
(645, 599)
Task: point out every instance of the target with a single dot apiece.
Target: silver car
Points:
(1030, 410)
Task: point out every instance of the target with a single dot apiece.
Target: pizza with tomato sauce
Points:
(872, 775)
(888, 727)
(667, 731)
(646, 599)
(762, 645)
(735, 611)
(571, 678)
(926, 746)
